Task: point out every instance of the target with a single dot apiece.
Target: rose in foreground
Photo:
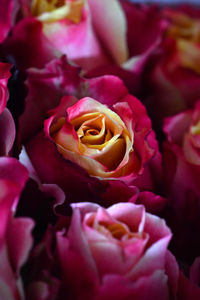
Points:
(103, 132)
(116, 253)
(99, 139)
(15, 233)
(182, 170)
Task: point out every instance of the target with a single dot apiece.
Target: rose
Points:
(118, 253)
(181, 156)
(63, 27)
(7, 126)
(132, 124)
(174, 77)
(15, 233)
(95, 136)
(77, 29)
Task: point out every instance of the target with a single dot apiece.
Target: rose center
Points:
(183, 27)
(55, 10)
(195, 130)
(41, 6)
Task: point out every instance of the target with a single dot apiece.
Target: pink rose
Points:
(7, 126)
(72, 152)
(182, 170)
(77, 29)
(174, 78)
(116, 253)
(15, 233)
(63, 27)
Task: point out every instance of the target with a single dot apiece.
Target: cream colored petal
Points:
(110, 23)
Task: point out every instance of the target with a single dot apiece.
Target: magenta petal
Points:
(107, 89)
(19, 241)
(12, 179)
(29, 46)
(7, 15)
(119, 288)
(7, 132)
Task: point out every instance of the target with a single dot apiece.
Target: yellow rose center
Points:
(195, 130)
(186, 31)
(55, 10)
(99, 141)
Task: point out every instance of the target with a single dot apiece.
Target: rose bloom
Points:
(7, 126)
(116, 253)
(76, 28)
(100, 133)
(174, 78)
(15, 233)
(182, 170)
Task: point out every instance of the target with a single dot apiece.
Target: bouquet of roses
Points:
(99, 150)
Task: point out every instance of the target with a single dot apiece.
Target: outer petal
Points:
(4, 76)
(110, 18)
(19, 241)
(29, 46)
(150, 287)
(7, 132)
(7, 15)
(12, 177)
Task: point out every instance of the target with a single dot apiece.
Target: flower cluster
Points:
(99, 150)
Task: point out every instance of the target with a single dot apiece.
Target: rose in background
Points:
(8, 13)
(110, 139)
(174, 77)
(49, 29)
(7, 126)
(182, 167)
(15, 233)
(114, 253)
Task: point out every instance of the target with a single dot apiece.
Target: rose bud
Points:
(182, 170)
(116, 253)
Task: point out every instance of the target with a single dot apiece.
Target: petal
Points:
(110, 18)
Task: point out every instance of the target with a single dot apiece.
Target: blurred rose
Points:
(49, 29)
(182, 170)
(116, 253)
(7, 126)
(174, 81)
(15, 233)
